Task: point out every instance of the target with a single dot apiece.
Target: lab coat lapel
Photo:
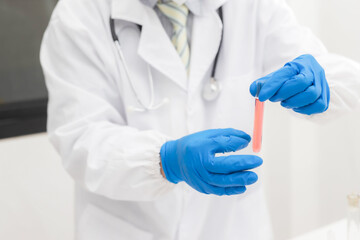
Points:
(128, 10)
(155, 46)
(205, 43)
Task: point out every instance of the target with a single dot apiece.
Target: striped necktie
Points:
(177, 14)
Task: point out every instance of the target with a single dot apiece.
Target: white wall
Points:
(36, 195)
(310, 169)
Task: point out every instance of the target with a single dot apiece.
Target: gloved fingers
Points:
(231, 180)
(213, 140)
(317, 107)
(292, 87)
(222, 144)
(310, 95)
(220, 191)
(233, 163)
(226, 132)
(235, 190)
(273, 82)
(258, 83)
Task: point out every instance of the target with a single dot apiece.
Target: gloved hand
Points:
(300, 85)
(192, 159)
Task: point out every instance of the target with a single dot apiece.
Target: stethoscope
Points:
(210, 92)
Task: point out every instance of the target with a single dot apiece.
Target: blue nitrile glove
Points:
(300, 85)
(192, 159)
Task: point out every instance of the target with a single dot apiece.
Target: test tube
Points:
(353, 221)
(258, 122)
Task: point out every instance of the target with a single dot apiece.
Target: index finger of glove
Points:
(292, 87)
(227, 132)
(233, 163)
(222, 144)
(274, 82)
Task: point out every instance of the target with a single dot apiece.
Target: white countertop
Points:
(334, 231)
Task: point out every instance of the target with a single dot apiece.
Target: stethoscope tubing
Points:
(151, 106)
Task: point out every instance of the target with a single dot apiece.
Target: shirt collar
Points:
(193, 5)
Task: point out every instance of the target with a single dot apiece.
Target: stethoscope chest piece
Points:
(211, 90)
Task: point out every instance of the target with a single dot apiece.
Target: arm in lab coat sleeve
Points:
(285, 40)
(85, 120)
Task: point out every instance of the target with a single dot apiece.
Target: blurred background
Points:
(308, 171)
(311, 168)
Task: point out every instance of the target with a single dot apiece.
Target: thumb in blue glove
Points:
(192, 159)
(300, 85)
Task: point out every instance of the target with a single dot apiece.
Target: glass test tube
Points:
(258, 122)
(353, 217)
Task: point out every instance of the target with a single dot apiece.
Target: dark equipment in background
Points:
(23, 95)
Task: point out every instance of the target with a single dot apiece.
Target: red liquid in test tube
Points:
(258, 123)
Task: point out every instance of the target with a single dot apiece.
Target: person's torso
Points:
(183, 213)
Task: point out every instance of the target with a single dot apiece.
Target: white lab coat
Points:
(112, 152)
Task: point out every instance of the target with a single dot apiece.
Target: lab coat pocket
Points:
(236, 80)
(235, 105)
(135, 82)
(96, 224)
